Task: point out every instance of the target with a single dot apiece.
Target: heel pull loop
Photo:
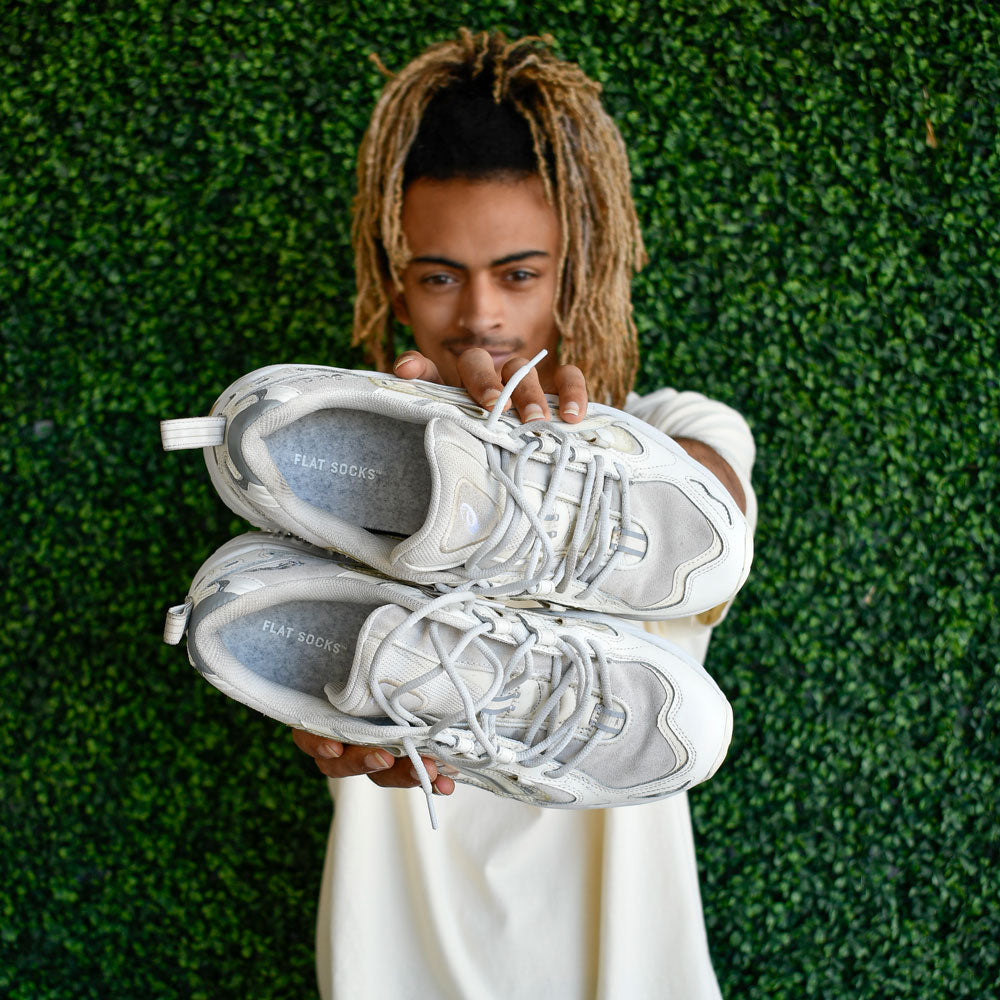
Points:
(192, 432)
(177, 622)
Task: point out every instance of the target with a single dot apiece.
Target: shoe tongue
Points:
(408, 656)
(466, 500)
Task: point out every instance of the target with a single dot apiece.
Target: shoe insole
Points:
(301, 644)
(366, 468)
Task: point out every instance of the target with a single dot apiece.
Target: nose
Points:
(482, 308)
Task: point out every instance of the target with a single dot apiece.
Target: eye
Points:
(520, 274)
(438, 278)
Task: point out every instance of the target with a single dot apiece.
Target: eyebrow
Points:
(499, 262)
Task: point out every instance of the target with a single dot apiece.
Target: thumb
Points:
(412, 364)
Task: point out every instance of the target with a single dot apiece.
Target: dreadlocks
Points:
(541, 115)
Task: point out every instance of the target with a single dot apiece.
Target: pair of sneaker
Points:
(442, 580)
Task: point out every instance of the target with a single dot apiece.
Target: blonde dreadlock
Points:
(573, 136)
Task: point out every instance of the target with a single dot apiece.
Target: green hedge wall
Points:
(820, 187)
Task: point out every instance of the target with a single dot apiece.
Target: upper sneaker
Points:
(553, 711)
(420, 483)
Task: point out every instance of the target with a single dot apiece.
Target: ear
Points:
(398, 302)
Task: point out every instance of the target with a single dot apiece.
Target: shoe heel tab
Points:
(177, 622)
(192, 432)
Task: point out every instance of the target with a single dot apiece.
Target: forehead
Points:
(477, 221)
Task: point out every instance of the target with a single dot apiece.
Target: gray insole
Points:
(301, 644)
(366, 468)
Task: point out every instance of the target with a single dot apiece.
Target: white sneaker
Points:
(420, 483)
(568, 711)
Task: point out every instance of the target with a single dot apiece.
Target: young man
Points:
(494, 219)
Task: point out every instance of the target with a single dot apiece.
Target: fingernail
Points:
(376, 762)
(533, 412)
(570, 410)
(403, 361)
(490, 398)
(329, 750)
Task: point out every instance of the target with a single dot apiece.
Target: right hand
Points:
(339, 760)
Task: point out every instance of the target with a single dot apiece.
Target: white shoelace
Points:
(545, 570)
(582, 664)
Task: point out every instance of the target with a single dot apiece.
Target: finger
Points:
(528, 397)
(444, 785)
(317, 746)
(403, 774)
(412, 364)
(356, 760)
(571, 387)
(479, 377)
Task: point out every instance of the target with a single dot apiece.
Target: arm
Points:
(713, 434)
(718, 466)
(723, 471)
(677, 415)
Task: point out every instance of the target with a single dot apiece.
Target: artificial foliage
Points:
(819, 185)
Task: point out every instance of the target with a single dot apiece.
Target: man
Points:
(494, 219)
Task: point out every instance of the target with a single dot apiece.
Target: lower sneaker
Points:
(565, 711)
(421, 484)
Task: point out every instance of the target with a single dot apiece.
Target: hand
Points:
(340, 760)
(481, 381)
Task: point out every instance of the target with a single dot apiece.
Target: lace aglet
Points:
(511, 385)
(425, 781)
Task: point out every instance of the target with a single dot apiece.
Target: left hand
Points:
(340, 760)
(481, 381)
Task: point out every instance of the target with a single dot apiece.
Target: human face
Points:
(482, 272)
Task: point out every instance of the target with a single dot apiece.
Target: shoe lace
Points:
(592, 550)
(469, 736)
